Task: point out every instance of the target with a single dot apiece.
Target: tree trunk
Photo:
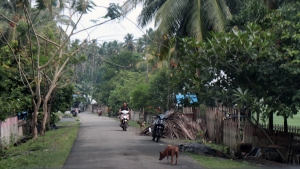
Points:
(49, 117)
(34, 121)
(285, 124)
(271, 124)
(143, 114)
(45, 105)
(44, 121)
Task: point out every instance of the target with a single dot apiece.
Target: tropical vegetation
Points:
(243, 53)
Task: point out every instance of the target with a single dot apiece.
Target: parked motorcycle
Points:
(75, 112)
(124, 119)
(100, 113)
(159, 125)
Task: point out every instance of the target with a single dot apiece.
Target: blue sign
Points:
(191, 97)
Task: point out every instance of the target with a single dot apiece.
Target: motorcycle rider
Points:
(124, 107)
(156, 122)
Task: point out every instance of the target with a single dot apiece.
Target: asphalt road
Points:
(101, 144)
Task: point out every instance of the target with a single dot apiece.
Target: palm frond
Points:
(40, 4)
(215, 13)
(129, 5)
(7, 5)
(149, 11)
(194, 23)
(64, 19)
(170, 15)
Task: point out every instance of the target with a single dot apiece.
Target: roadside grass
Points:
(221, 147)
(209, 162)
(49, 151)
(134, 124)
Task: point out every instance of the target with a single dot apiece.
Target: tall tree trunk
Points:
(36, 105)
(45, 112)
(34, 120)
(285, 124)
(50, 107)
(271, 123)
(143, 113)
(45, 104)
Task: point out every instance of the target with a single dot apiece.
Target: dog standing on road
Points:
(169, 151)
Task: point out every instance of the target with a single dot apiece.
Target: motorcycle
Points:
(100, 113)
(159, 125)
(75, 112)
(124, 119)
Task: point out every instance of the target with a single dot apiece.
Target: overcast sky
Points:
(113, 30)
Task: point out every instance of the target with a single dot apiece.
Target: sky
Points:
(113, 30)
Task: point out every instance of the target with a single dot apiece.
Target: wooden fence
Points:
(226, 126)
(279, 127)
(222, 129)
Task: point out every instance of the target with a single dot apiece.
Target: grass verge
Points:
(209, 162)
(134, 124)
(49, 151)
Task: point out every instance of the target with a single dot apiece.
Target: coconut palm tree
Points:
(140, 45)
(129, 42)
(113, 48)
(183, 17)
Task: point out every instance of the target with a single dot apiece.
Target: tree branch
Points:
(93, 26)
(53, 43)
(38, 80)
(8, 19)
(61, 46)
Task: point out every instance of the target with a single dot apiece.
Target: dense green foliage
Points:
(251, 68)
(62, 99)
(14, 95)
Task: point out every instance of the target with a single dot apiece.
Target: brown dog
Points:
(169, 151)
(142, 124)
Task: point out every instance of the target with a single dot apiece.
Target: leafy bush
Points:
(54, 118)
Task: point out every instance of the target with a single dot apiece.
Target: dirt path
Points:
(101, 143)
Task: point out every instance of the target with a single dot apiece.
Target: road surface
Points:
(101, 144)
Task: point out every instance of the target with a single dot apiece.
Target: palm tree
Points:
(129, 43)
(183, 17)
(145, 40)
(113, 48)
(140, 45)
(103, 49)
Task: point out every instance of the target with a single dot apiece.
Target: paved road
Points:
(101, 144)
